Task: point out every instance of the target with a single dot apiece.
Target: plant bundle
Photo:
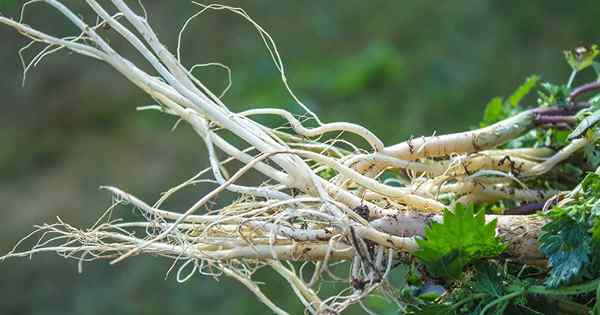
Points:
(505, 217)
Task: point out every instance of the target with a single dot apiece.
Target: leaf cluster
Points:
(582, 57)
(571, 240)
(462, 238)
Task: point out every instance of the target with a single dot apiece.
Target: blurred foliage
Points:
(399, 68)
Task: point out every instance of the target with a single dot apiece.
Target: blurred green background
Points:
(401, 68)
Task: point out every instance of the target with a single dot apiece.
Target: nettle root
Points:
(320, 202)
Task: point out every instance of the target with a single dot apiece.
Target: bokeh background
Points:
(401, 68)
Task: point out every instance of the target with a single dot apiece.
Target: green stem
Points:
(571, 78)
(572, 290)
(569, 307)
(473, 297)
(501, 299)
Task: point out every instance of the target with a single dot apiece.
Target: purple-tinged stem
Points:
(580, 90)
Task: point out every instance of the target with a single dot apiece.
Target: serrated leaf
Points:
(581, 57)
(567, 246)
(487, 281)
(523, 90)
(591, 185)
(462, 237)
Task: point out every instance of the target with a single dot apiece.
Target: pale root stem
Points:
(375, 143)
(560, 156)
(456, 143)
(310, 299)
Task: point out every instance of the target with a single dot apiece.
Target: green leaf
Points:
(553, 94)
(462, 238)
(592, 155)
(591, 184)
(596, 230)
(571, 238)
(327, 173)
(494, 112)
(523, 90)
(566, 244)
(487, 280)
(431, 292)
(581, 57)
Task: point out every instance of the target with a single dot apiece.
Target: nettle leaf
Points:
(568, 239)
(488, 280)
(523, 90)
(581, 57)
(567, 246)
(585, 210)
(462, 238)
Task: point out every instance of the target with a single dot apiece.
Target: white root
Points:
(560, 156)
(375, 143)
(252, 286)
